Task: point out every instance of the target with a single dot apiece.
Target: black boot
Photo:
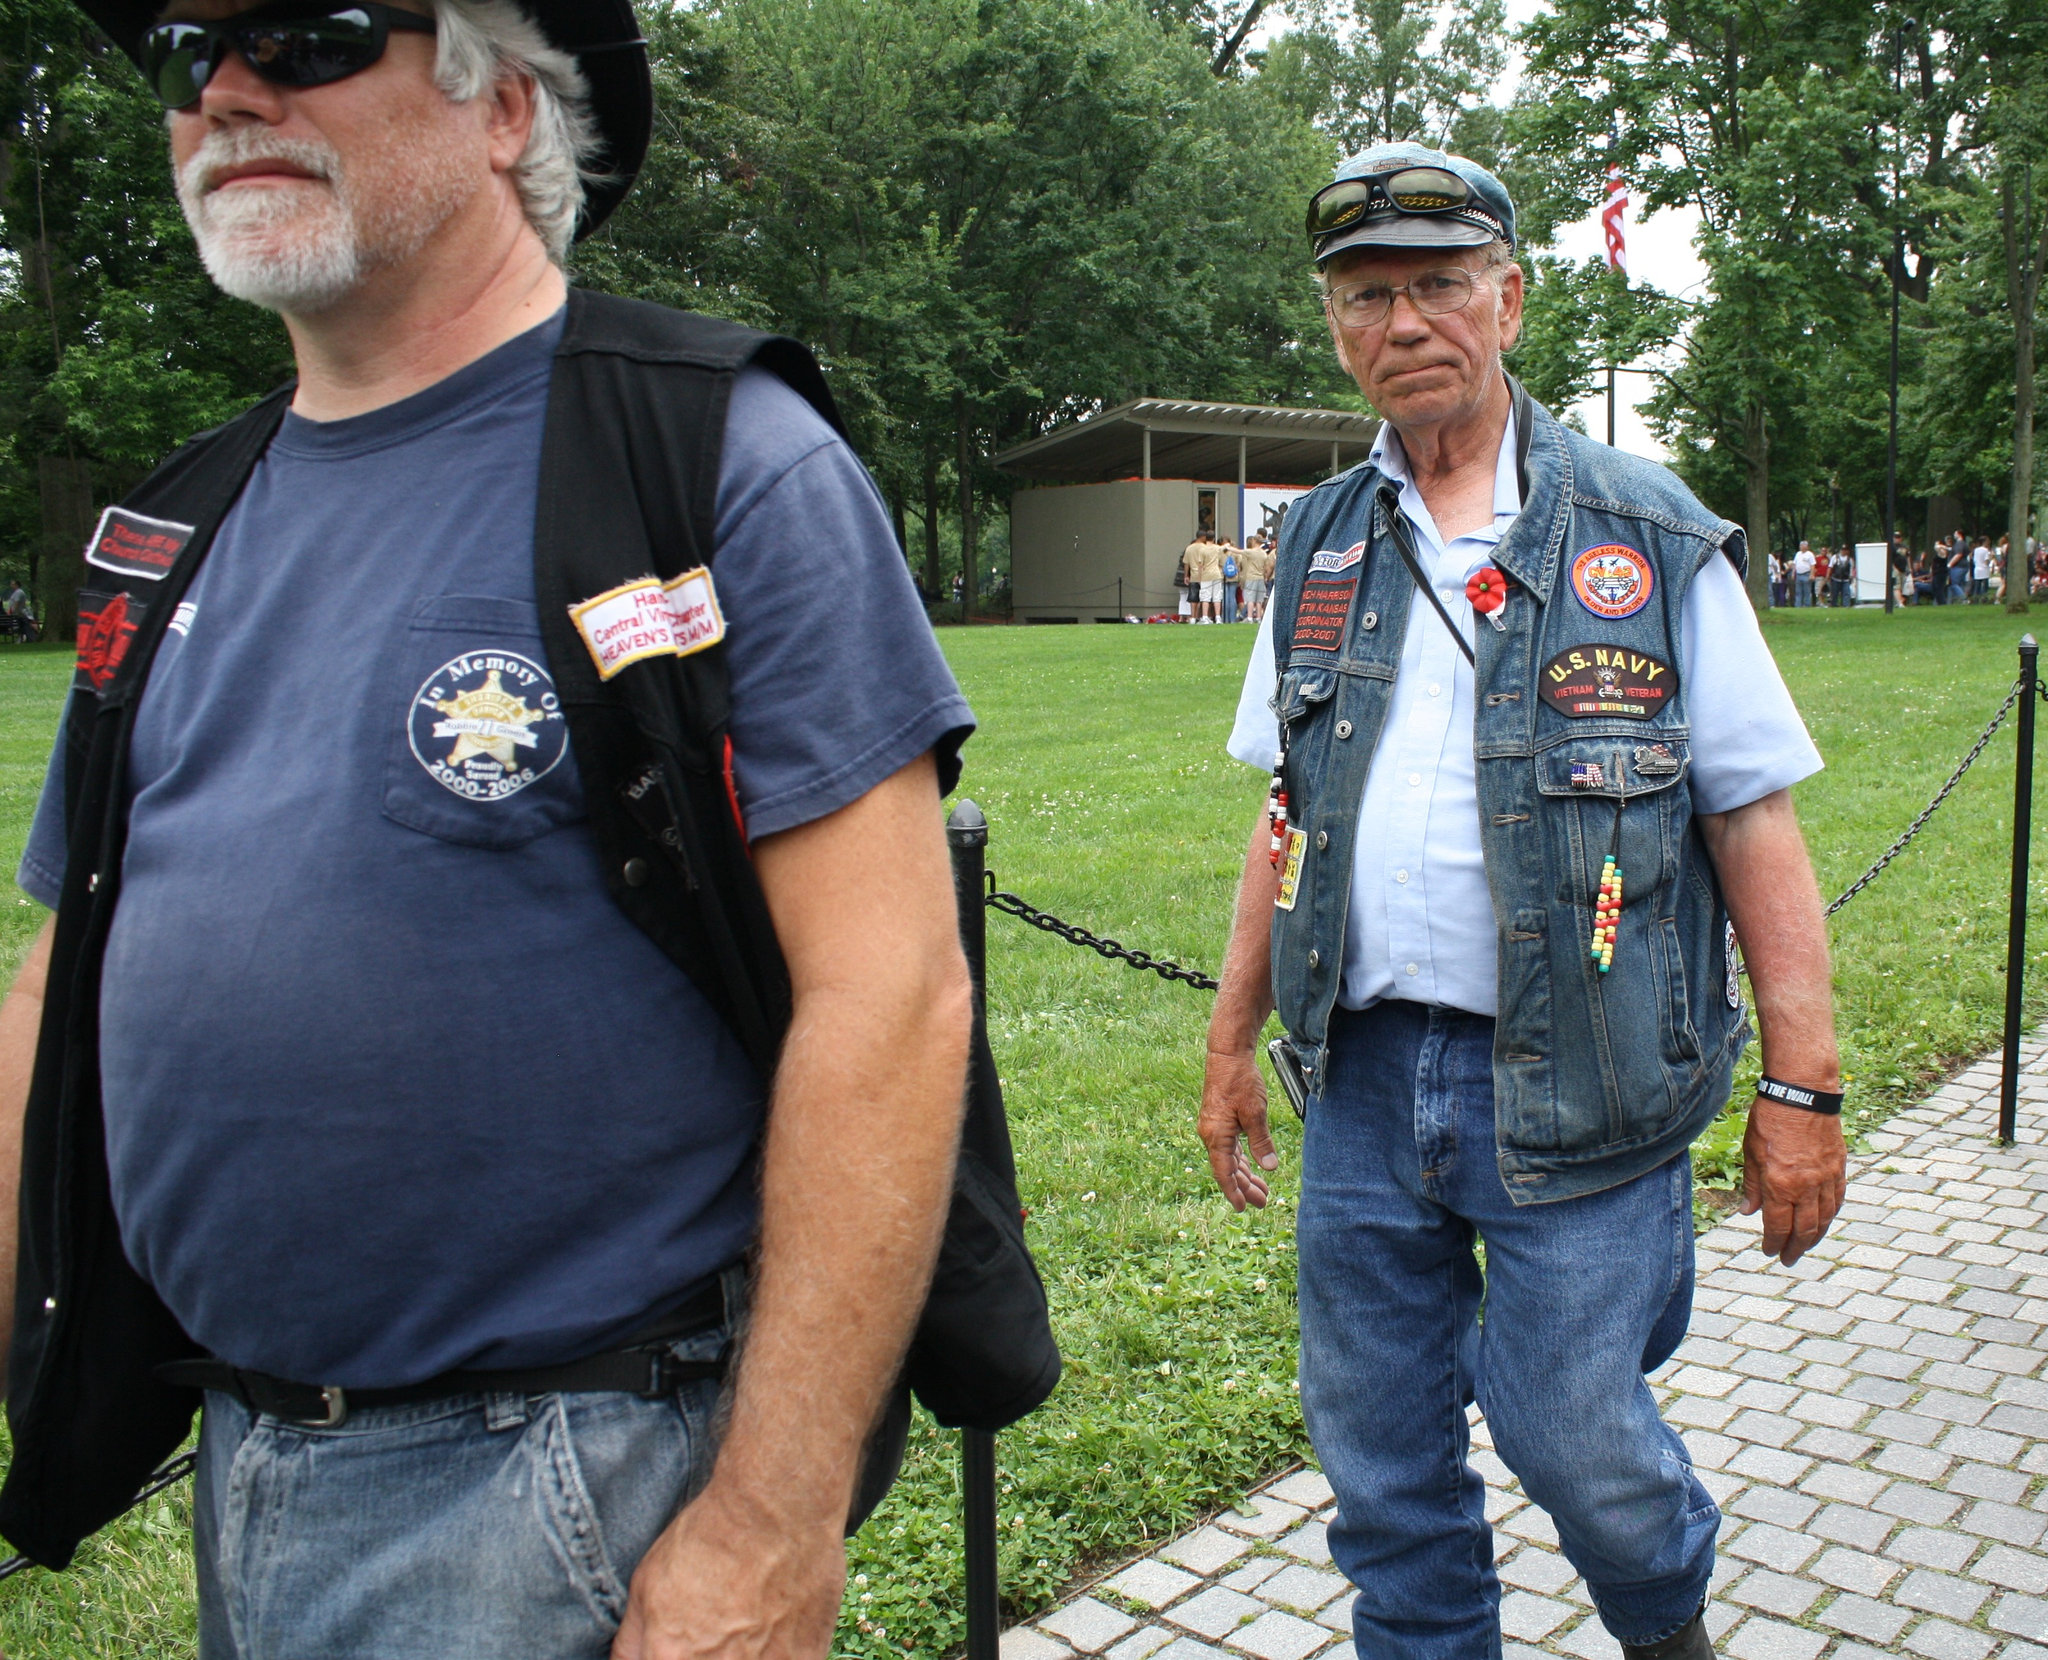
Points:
(1687, 1643)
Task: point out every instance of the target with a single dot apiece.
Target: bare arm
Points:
(1233, 1091)
(21, 1019)
(1794, 1163)
(856, 1178)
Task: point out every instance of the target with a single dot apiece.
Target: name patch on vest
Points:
(1326, 598)
(106, 628)
(131, 545)
(1613, 581)
(1588, 681)
(650, 619)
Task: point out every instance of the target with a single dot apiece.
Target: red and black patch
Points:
(1585, 682)
(1324, 612)
(130, 544)
(106, 628)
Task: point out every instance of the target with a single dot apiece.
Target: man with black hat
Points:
(432, 1146)
(1531, 764)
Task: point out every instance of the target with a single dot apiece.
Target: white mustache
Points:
(236, 147)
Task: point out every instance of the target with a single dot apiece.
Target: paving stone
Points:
(1940, 1594)
(1854, 1570)
(1921, 1464)
(1308, 1543)
(1186, 1648)
(1020, 1642)
(1762, 1639)
(1206, 1550)
(1861, 1617)
(1775, 1593)
(1253, 1574)
(1088, 1625)
(2012, 1570)
(1151, 1583)
(1535, 1569)
(1773, 1547)
(1832, 1481)
(1986, 1481)
(1524, 1614)
(1774, 1504)
(1916, 1504)
(1782, 1469)
(1267, 1517)
(2022, 1616)
(1279, 1636)
(1929, 1547)
(1942, 1641)
(1141, 1644)
(1303, 1589)
(2003, 1521)
(1216, 1612)
(1306, 1488)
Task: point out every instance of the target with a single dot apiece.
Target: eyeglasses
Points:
(1360, 305)
(1407, 189)
(294, 45)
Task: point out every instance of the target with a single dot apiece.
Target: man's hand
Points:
(1794, 1164)
(1234, 1113)
(728, 1583)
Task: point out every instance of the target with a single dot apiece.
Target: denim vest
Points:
(1580, 743)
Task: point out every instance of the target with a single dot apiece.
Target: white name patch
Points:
(648, 618)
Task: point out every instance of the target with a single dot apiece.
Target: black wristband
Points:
(1797, 1095)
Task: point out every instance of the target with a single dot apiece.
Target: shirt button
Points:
(1343, 729)
(1435, 690)
(1413, 969)
(1415, 780)
(1400, 876)
(1315, 959)
(1322, 840)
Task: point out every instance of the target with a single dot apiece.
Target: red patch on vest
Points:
(103, 637)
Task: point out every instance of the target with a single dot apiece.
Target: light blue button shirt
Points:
(1420, 927)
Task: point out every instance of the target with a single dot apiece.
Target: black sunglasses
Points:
(1407, 189)
(294, 45)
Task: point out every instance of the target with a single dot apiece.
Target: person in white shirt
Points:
(1802, 575)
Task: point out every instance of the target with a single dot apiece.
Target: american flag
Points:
(1610, 220)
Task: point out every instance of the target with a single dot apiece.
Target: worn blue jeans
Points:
(474, 1528)
(1580, 1299)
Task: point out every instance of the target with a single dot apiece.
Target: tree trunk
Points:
(66, 488)
(963, 461)
(1756, 461)
(2025, 254)
(933, 576)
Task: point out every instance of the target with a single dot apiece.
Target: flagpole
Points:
(1617, 260)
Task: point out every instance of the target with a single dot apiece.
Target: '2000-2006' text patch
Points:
(487, 724)
(1586, 681)
(1326, 598)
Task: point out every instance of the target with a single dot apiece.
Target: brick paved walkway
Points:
(1873, 1423)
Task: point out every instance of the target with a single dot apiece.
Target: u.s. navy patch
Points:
(1613, 581)
(1585, 681)
(487, 724)
(106, 628)
(132, 545)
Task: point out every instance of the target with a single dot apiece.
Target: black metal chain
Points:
(1164, 967)
(2012, 697)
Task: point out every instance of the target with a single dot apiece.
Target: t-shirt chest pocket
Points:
(479, 751)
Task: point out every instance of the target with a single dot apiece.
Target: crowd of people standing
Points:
(1221, 582)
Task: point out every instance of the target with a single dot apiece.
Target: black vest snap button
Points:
(636, 873)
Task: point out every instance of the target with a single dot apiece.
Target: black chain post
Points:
(967, 837)
(2016, 925)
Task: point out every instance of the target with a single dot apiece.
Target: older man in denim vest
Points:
(1532, 764)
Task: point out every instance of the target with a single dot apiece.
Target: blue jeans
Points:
(1802, 587)
(1229, 601)
(1581, 1298)
(473, 1528)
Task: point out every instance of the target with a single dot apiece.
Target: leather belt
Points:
(641, 1366)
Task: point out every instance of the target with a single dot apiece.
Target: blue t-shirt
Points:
(391, 1084)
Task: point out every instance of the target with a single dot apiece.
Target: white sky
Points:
(1660, 253)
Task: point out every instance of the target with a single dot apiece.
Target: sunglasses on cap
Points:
(1406, 189)
(297, 45)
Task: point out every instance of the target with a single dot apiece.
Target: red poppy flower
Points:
(1487, 589)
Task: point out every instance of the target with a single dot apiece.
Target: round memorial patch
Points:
(1613, 581)
(487, 724)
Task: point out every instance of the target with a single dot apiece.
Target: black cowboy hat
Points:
(602, 35)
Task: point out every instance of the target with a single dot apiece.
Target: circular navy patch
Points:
(487, 724)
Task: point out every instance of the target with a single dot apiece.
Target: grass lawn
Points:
(1100, 766)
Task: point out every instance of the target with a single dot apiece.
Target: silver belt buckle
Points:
(336, 1400)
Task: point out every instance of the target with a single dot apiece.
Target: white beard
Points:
(302, 248)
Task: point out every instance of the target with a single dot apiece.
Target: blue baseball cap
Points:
(1486, 215)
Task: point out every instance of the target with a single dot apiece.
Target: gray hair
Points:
(480, 40)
